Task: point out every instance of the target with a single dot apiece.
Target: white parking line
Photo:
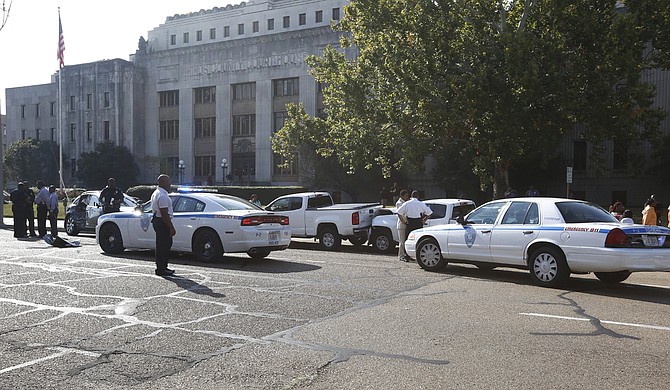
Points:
(656, 327)
(63, 351)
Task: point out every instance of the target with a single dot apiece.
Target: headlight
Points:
(410, 237)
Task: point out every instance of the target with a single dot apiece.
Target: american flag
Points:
(61, 44)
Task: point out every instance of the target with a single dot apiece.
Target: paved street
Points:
(75, 318)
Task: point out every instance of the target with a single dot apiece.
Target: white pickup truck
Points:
(313, 214)
(384, 235)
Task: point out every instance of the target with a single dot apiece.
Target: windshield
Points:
(578, 212)
(233, 203)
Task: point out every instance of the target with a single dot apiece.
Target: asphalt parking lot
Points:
(76, 318)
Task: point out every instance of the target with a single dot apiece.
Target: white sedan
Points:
(207, 225)
(552, 237)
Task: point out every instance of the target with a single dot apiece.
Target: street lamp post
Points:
(224, 166)
(182, 167)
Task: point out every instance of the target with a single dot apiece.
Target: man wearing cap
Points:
(53, 210)
(18, 198)
(42, 200)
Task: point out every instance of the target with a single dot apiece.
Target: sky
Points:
(93, 30)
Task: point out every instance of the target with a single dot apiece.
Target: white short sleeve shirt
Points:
(161, 200)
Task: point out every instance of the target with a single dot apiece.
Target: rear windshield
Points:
(233, 203)
(578, 212)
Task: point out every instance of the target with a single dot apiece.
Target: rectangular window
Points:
(72, 103)
(240, 29)
(255, 26)
(105, 102)
(205, 166)
(244, 124)
(168, 98)
(169, 129)
(89, 131)
(205, 95)
(579, 157)
(302, 19)
(73, 132)
(285, 87)
(620, 157)
(205, 127)
(23, 134)
(37, 110)
(226, 31)
(106, 130)
(173, 39)
(37, 134)
(23, 111)
(53, 108)
(212, 33)
(271, 24)
(185, 39)
(89, 101)
(336, 14)
(198, 35)
(244, 91)
(73, 167)
(287, 21)
(53, 134)
(318, 17)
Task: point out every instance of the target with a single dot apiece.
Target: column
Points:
(186, 132)
(263, 130)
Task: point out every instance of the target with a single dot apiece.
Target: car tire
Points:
(329, 239)
(110, 239)
(382, 241)
(429, 255)
(612, 277)
(207, 246)
(548, 267)
(71, 227)
(357, 241)
(259, 254)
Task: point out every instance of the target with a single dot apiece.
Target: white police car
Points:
(552, 237)
(207, 225)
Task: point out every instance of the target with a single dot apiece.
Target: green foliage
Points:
(494, 82)
(107, 160)
(33, 160)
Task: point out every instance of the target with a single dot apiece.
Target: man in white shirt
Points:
(42, 201)
(53, 210)
(161, 206)
(415, 211)
(402, 226)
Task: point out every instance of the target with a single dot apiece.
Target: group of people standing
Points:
(653, 209)
(412, 213)
(23, 208)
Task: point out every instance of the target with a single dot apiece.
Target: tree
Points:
(108, 160)
(33, 160)
(500, 81)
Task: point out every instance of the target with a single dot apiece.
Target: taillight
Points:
(258, 220)
(616, 238)
(355, 218)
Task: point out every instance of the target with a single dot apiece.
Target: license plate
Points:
(650, 241)
(273, 236)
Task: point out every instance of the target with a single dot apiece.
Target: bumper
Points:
(617, 259)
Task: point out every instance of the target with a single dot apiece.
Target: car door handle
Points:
(486, 231)
(193, 218)
(528, 232)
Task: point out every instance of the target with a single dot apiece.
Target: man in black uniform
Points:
(30, 208)
(18, 198)
(111, 197)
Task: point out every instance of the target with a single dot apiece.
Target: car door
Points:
(186, 219)
(93, 211)
(140, 230)
(517, 228)
(291, 207)
(471, 240)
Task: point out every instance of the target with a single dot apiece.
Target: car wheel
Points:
(259, 254)
(207, 245)
(383, 241)
(612, 277)
(110, 239)
(358, 241)
(548, 267)
(329, 239)
(429, 256)
(70, 226)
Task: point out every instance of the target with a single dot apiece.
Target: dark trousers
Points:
(19, 221)
(30, 217)
(163, 243)
(53, 221)
(42, 210)
(413, 224)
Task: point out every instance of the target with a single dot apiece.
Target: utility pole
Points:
(5, 16)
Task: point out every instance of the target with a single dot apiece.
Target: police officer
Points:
(30, 208)
(19, 198)
(42, 200)
(53, 210)
(111, 197)
(161, 206)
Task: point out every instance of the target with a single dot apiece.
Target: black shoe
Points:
(164, 272)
